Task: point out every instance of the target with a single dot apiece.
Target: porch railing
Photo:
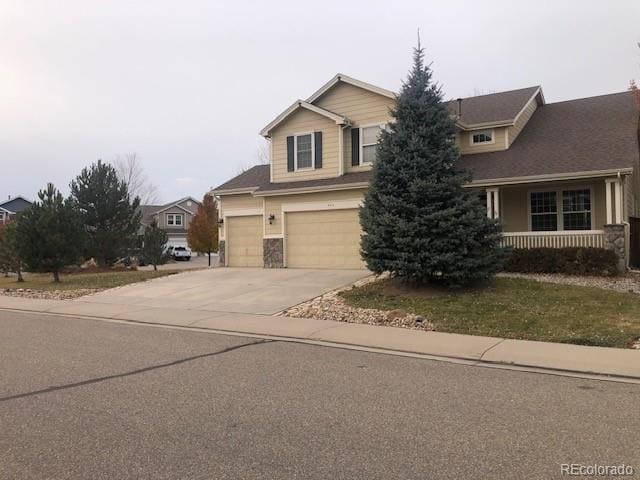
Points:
(578, 238)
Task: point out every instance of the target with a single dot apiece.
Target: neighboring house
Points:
(559, 174)
(174, 217)
(13, 206)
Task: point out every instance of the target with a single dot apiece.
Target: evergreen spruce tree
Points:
(419, 223)
(110, 216)
(203, 229)
(49, 236)
(155, 245)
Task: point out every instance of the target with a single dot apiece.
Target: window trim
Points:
(560, 207)
(295, 152)
(174, 216)
(382, 126)
(492, 131)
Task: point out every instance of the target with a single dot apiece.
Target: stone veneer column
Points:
(615, 239)
(221, 253)
(273, 252)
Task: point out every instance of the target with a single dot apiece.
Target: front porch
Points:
(593, 212)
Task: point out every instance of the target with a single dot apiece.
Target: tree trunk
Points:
(56, 277)
(20, 279)
(209, 253)
(155, 267)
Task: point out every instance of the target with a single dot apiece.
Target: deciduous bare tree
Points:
(131, 171)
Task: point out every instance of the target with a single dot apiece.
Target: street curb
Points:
(513, 366)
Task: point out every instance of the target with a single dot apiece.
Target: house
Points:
(174, 217)
(554, 174)
(13, 206)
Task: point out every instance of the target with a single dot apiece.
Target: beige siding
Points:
(526, 115)
(239, 201)
(464, 142)
(243, 201)
(323, 239)
(360, 106)
(273, 205)
(305, 121)
(514, 203)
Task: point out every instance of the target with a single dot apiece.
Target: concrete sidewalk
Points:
(554, 356)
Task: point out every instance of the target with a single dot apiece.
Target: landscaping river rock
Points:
(331, 306)
(48, 294)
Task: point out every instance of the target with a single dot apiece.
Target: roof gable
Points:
(298, 104)
(340, 77)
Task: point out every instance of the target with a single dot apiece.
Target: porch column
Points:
(493, 203)
(618, 197)
(608, 206)
(613, 206)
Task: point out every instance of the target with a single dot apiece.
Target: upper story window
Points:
(574, 213)
(175, 219)
(483, 137)
(369, 137)
(304, 151)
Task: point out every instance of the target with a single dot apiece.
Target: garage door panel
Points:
(244, 241)
(324, 239)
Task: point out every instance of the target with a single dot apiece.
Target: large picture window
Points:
(561, 210)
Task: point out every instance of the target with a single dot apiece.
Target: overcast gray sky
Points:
(188, 84)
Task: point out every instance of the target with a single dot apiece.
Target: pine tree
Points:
(9, 259)
(110, 216)
(419, 222)
(49, 236)
(203, 229)
(155, 245)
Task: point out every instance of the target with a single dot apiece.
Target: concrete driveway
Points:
(238, 290)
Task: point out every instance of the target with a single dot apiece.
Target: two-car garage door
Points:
(323, 239)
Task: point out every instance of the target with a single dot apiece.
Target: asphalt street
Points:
(91, 399)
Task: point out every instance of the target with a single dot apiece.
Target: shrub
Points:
(570, 261)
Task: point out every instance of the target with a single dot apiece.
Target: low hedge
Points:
(570, 261)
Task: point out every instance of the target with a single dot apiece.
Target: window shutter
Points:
(355, 147)
(290, 155)
(318, 147)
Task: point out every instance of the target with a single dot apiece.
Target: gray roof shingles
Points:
(16, 205)
(494, 107)
(589, 134)
(584, 135)
(254, 177)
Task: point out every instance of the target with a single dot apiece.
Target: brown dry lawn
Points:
(77, 281)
